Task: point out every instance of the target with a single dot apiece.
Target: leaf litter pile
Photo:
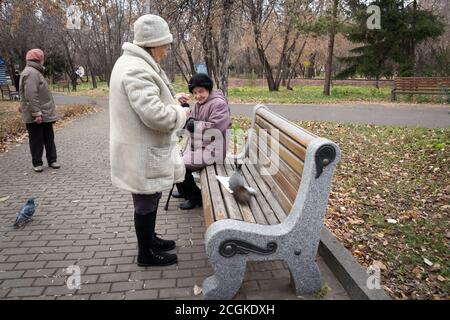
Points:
(390, 203)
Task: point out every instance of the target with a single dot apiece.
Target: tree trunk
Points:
(256, 16)
(93, 76)
(329, 65)
(190, 59)
(267, 69)
(291, 70)
(224, 60)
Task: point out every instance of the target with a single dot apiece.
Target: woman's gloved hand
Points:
(190, 124)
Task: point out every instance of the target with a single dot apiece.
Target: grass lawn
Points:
(392, 173)
(13, 130)
(300, 94)
(85, 89)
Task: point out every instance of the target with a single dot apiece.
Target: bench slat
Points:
(270, 206)
(266, 210)
(231, 204)
(423, 88)
(279, 177)
(295, 132)
(216, 196)
(208, 210)
(290, 174)
(289, 143)
(287, 156)
(417, 92)
(267, 190)
(284, 201)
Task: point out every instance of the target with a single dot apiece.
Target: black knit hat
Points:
(200, 80)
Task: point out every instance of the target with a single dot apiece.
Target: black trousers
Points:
(145, 204)
(40, 135)
(189, 188)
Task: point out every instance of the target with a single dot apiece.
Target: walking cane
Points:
(166, 207)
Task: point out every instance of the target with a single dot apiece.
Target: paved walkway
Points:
(426, 116)
(416, 115)
(83, 220)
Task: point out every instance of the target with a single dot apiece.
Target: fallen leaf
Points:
(436, 267)
(197, 290)
(441, 278)
(417, 270)
(379, 264)
(356, 221)
(4, 199)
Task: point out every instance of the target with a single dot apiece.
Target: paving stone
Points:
(127, 286)
(16, 283)
(114, 277)
(175, 293)
(26, 292)
(141, 295)
(159, 283)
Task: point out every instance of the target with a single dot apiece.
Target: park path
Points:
(415, 115)
(83, 220)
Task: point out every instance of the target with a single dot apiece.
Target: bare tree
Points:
(224, 61)
(332, 35)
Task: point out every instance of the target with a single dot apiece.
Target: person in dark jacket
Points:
(17, 80)
(38, 111)
(209, 116)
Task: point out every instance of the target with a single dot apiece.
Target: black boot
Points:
(158, 243)
(178, 193)
(149, 256)
(191, 192)
(190, 204)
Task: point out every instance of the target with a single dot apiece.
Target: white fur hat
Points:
(151, 31)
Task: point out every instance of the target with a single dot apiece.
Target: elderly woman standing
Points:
(144, 116)
(38, 111)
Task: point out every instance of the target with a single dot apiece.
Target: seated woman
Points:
(208, 124)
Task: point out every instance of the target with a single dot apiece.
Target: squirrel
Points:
(241, 192)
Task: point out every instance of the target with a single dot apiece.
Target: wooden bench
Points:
(421, 85)
(291, 169)
(8, 93)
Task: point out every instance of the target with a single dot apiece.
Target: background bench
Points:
(421, 85)
(7, 93)
(285, 219)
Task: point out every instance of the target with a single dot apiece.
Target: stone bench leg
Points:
(305, 275)
(225, 282)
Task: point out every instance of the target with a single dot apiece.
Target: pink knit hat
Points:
(35, 54)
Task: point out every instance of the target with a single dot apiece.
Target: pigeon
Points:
(241, 192)
(25, 214)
